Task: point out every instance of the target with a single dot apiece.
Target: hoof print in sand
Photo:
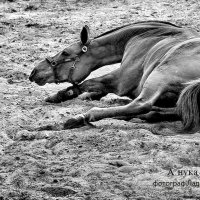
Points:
(58, 191)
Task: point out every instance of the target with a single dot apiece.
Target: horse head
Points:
(73, 64)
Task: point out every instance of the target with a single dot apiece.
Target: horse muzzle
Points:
(35, 78)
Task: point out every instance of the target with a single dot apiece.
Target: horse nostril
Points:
(32, 74)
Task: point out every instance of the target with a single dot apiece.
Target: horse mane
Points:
(148, 22)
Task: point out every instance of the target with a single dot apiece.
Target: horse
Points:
(157, 60)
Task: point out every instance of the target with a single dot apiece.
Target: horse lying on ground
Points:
(157, 59)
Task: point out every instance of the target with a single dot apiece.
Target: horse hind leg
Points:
(137, 106)
(163, 111)
(158, 114)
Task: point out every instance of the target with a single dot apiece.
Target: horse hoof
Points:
(85, 96)
(64, 95)
(75, 122)
(113, 98)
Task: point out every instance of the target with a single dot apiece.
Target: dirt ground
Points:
(118, 160)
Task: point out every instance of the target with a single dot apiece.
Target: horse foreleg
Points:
(64, 95)
(71, 93)
(96, 88)
(92, 89)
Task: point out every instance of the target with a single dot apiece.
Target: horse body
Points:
(180, 65)
(156, 59)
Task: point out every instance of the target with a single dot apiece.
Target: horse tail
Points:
(188, 106)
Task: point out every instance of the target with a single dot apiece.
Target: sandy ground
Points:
(118, 160)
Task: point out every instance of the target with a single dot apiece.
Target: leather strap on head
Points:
(71, 70)
(54, 63)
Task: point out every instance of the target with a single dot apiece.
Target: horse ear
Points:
(85, 35)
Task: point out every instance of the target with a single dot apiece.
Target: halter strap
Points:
(54, 63)
(72, 68)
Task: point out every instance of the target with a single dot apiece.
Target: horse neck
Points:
(107, 51)
(110, 47)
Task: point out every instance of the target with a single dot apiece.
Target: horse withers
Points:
(156, 59)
